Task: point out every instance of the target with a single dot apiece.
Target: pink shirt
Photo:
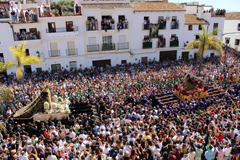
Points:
(220, 155)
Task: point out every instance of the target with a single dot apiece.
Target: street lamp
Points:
(38, 54)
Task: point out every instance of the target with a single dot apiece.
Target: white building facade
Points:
(151, 31)
(231, 32)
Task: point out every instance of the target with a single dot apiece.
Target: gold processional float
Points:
(36, 106)
(42, 108)
(191, 89)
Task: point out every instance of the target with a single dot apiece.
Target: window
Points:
(91, 24)
(146, 22)
(107, 39)
(22, 31)
(69, 26)
(174, 23)
(56, 67)
(53, 50)
(237, 42)
(71, 48)
(238, 27)
(190, 27)
(27, 52)
(123, 61)
(227, 40)
(73, 65)
(1, 57)
(197, 37)
(215, 25)
(32, 30)
(51, 27)
(39, 70)
(199, 27)
(107, 23)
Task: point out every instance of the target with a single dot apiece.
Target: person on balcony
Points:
(27, 15)
(35, 19)
(44, 11)
(87, 24)
(52, 9)
(60, 10)
(126, 23)
(77, 9)
(21, 17)
(96, 24)
(13, 16)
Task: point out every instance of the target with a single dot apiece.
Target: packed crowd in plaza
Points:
(131, 123)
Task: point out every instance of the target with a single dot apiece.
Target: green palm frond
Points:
(5, 66)
(31, 60)
(193, 44)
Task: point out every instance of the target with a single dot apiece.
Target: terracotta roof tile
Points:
(107, 5)
(154, 6)
(193, 19)
(232, 16)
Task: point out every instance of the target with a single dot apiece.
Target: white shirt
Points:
(227, 151)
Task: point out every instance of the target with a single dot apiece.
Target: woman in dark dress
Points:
(60, 10)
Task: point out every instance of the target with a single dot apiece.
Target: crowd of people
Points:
(107, 23)
(24, 16)
(131, 121)
(26, 36)
(161, 42)
(92, 24)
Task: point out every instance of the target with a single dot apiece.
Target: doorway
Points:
(102, 63)
(195, 56)
(185, 55)
(27, 68)
(212, 55)
(124, 62)
(168, 55)
(51, 27)
(144, 59)
(69, 26)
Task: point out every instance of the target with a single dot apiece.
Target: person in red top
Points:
(176, 152)
(172, 156)
(220, 136)
(45, 133)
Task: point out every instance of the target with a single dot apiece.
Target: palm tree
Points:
(19, 55)
(207, 40)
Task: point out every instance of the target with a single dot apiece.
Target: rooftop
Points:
(193, 19)
(233, 16)
(107, 6)
(155, 6)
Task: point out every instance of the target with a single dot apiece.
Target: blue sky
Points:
(229, 5)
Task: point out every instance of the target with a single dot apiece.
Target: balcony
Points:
(174, 43)
(123, 45)
(68, 29)
(107, 26)
(4, 14)
(145, 26)
(161, 44)
(162, 24)
(147, 45)
(55, 13)
(108, 46)
(93, 48)
(122, 26)
(72, 52)
(62, 32)
(91, 27)
(26, 37)
(175, 25)
(54, 53)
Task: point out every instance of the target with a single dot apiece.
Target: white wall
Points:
(230, 31)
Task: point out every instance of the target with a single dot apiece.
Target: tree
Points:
(207, 40)
(19, 55)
